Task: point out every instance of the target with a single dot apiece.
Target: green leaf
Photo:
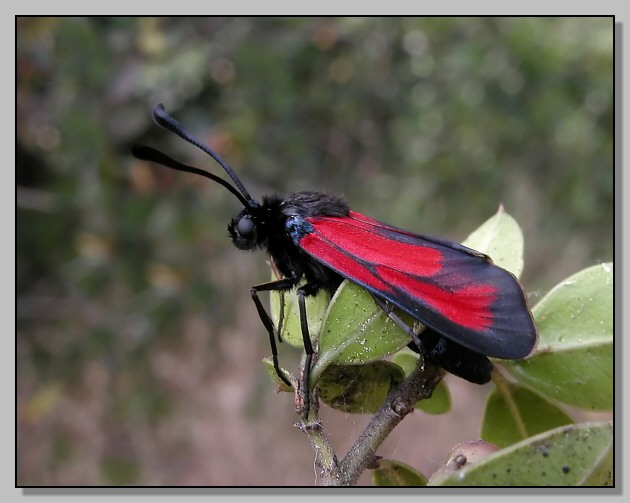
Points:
(501, 238)
(395, 473)
(573, 361)
(406, 360)
(356, 330)
(440, 400)
(291, 330)
(439, 403)
(537, 415)
(572, 455)
(358, 389)
(282, 386)
(601, 473)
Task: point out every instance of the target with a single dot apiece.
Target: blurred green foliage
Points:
(426, 123)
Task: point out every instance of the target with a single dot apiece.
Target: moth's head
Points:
(244, 230)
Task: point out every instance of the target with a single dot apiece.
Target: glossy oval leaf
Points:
(535, 414)
(501, 238)
(573, 361)
(358, 389)
(440, 400)
(573, 455)
(394, 473)
(284, 310)
(356, 330)
(282, 386)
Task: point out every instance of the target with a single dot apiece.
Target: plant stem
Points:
(503, 386)
(400, 402)
(326, 459)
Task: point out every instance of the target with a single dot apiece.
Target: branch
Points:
(326, 459)
(400, 402)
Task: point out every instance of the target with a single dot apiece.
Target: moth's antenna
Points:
(150, 154)
(167, 122)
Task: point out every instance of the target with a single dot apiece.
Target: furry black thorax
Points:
(264, 226)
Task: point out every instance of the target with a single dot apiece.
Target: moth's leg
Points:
(389, 311)
(281, 285)
(280, 316)
(278, 275)
(302, 292)
(455, 358)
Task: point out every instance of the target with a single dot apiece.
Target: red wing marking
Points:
(376, 249)
(385, 264)
(454, 290)
(468, 306)
(343, 262)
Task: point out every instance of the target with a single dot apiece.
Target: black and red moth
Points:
(471, 308)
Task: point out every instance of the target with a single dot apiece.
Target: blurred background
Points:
(138, 347)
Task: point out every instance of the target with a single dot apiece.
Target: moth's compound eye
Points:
(246, 227)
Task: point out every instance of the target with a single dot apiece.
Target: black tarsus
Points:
(388, 309)
(283, 285)
(280, 285)
(302, 292)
